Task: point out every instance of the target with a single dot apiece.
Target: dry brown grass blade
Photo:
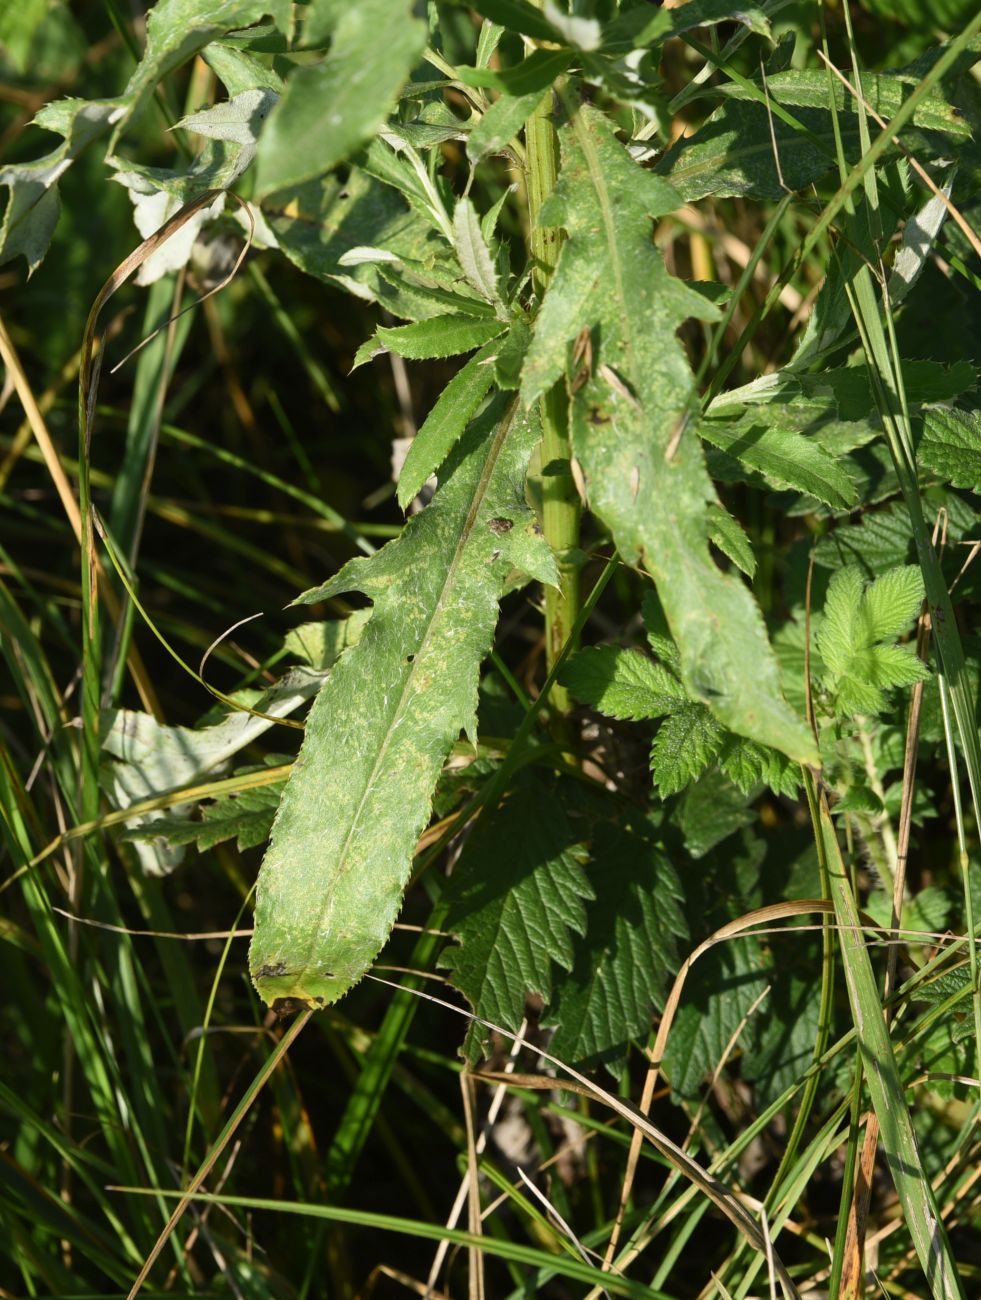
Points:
(732, 929)
(716, 1192)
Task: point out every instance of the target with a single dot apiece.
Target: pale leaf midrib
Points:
(342, 865)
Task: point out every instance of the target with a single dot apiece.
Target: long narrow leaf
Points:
(360, 791)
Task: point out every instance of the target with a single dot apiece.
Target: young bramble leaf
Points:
(360, 792)
(628, 423)
(622, 683)
(857, 620)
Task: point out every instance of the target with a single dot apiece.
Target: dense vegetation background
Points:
(811, 339)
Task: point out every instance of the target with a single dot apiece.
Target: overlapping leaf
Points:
(331, 108)
(642, 473)
(951, 445)
(630, 950)
(361, 790)
(515, 899)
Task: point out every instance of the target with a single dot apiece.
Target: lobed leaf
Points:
(360, 792)
(643, 475)
(685, 745)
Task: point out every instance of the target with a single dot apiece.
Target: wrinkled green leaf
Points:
(629, 953)
(685, 745)
(630, 414)
(330, 108)
(515, 899)
(361, 790)
(621, 683)
(951, 445)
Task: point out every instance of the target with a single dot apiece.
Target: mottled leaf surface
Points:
(361, 790)
(644, 473)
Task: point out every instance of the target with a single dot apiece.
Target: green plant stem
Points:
(560, 500)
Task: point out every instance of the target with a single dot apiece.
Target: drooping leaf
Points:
(951, 445)
(856, 632)
(628, 424)
(33, 205)
(332, 107)
(785, 458)
(360, 793)
(622, 683)
(515, 899)
(630, 950)
(444, 424)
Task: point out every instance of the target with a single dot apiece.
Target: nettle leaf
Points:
(630, 950)
(33, 206)
(515, 899)
(441, 336)
(785, 458)
(622, 683)
(719, 992)
(177, 29)
(628, 423)
(331, 108)
(857, 621)
(878, 542)
(246, 817)
(360, 792)
(685, 744)
(951, 445)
